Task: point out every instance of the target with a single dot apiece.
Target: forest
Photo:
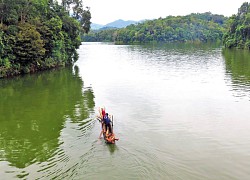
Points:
(201, 27)
(40, 34)
(238, 33)
(233, 32)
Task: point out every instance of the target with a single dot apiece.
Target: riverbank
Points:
(36, 36)
(18, 70)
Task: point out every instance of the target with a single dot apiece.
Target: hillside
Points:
(120, 23)
(201, 27)
(95, 26)
(238, 34)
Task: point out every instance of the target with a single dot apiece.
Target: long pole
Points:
(112, 121)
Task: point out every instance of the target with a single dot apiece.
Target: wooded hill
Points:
(201, 27)
(40, 34)
(234, 31)
(238, 34)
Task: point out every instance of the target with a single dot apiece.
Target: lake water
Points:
(180, 112)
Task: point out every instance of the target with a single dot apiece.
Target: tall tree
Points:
(85, 20)
(81, 14)
(238, 34)
(66, 4)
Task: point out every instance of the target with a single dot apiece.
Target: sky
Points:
(106, 11)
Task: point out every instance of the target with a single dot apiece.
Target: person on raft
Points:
(107, 123)
(102, 114)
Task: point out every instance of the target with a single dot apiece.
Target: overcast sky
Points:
(106, 11)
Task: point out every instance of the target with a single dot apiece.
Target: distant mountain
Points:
(120, 23)
(115, 24)
(96, 26)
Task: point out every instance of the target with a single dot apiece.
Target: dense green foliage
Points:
(103, 35)
(40, 34)
(194, 27)
(238, 34)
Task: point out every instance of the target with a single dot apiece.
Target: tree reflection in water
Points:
(33, 110)
(237, 64)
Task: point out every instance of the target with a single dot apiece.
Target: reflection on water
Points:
(180, 47)
(34, 109)
(238, 71)
(112, 148)
(175, 113)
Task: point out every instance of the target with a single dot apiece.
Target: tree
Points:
(40, 34)
(29, 46)
(238, 33)
(194, 27)
(85, 21)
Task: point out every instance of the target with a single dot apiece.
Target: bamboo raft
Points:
(108, 137)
